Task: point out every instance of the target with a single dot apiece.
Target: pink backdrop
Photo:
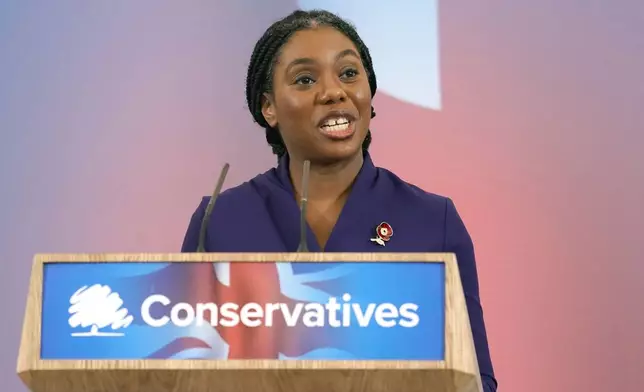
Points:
(115, 118)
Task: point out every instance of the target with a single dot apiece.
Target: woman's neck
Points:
(327, 183)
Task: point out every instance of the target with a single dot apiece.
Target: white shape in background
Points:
(402, 37)
(97, 307)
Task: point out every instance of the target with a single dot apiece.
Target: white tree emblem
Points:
(97, 306)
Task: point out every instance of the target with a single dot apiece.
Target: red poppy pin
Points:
(383, 233)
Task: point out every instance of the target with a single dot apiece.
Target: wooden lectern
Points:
(255, 322)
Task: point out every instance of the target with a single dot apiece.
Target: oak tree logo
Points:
(97, 307)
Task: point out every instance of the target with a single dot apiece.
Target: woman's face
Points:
(321, 99)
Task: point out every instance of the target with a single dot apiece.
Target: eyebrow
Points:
(306, 60)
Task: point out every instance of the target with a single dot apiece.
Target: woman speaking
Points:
(310, 85)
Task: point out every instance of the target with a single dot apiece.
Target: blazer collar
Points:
(364, 181)
(362, 201)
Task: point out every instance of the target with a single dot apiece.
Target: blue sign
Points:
(244, 310)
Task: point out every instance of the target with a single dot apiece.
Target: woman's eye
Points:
(304, 80)
(350, 73)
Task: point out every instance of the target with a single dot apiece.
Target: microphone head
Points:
(303, 247)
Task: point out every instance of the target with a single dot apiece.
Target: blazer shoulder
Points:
(233, 207)
(413, 196)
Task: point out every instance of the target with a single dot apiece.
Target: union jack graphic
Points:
(247, 282)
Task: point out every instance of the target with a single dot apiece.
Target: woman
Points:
(310, 85)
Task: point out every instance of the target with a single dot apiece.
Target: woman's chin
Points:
(339, 153)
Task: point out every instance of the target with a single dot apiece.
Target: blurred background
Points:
(116, 117)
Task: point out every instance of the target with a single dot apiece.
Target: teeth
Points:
(336, 121)
(334, 128)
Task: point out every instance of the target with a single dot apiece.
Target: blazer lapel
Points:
(364, 210)
(361, 213)
(284, 209)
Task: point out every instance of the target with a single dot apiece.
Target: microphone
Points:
(209, 207)
(303, 247)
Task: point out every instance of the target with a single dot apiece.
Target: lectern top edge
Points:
(246, 364)
(448, 258)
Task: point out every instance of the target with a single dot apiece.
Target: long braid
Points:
(260, 69)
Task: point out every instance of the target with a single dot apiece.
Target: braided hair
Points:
(259, 79)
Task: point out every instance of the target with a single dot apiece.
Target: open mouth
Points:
(337, 128)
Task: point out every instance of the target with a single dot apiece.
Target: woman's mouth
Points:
(337, 128)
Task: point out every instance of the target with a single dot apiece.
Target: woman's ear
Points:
(268, 110)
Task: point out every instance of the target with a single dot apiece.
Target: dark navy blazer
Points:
(262, 215)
